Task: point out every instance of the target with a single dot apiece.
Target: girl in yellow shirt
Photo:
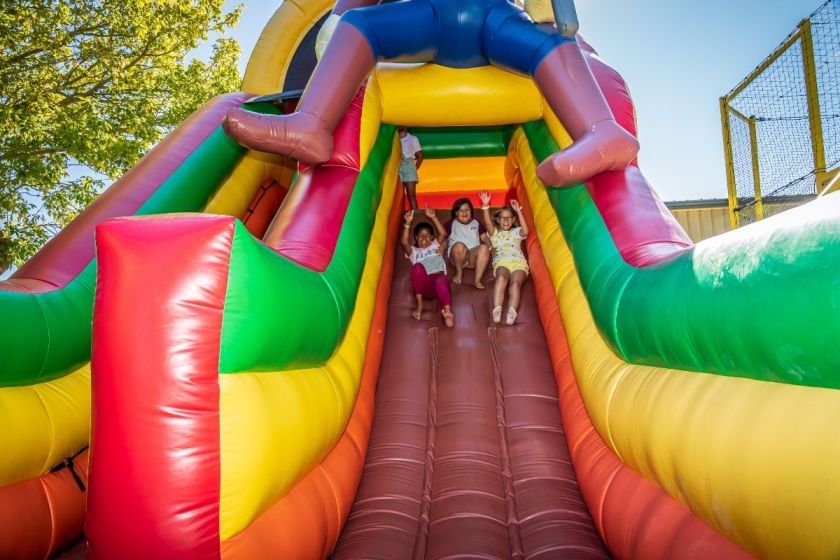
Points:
(510, 267)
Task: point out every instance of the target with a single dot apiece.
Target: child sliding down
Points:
(509, 265)
(428, 269)
(468, 242)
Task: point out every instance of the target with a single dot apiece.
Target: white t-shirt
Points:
(410, 146)
(469, 234)
(430, 257)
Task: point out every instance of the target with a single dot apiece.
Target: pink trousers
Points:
(432, 286)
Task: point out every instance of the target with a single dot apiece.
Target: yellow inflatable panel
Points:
(432, 95)
(43, 424)
(747, 456)
(236, 193)
(276, 425)
(462, 174)
(280, 38)
(371, 119)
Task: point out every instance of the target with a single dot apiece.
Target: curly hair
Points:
(424, 225)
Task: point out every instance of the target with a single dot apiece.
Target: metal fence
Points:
(781, 124)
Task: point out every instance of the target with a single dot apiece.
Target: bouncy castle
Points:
(217, 359)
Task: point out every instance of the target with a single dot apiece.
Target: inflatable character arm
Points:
(562, 12)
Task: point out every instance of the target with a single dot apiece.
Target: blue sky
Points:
(676, 70)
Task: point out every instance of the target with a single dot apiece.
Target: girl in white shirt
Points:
(428, 269)
(469, 246)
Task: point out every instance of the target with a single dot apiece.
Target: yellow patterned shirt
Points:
(507, 249)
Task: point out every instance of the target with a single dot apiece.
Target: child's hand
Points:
(484, 197)
(408, 216)
(515, 205)
(429, 212)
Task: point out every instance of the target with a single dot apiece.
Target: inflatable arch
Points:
(253, 385)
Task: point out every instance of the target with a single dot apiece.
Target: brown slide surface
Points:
(467, 457)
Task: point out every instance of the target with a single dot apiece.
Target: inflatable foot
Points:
(605, 147)
(301, 136)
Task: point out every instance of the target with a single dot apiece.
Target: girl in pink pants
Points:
(428, 270)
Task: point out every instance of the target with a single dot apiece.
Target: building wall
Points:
(702, 223)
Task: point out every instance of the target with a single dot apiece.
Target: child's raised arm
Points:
(440, 231)
(404, 238)
(523, 225)
(484, 196)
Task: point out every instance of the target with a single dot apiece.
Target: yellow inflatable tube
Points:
(432, 95)
(236, 193)
(43, 424)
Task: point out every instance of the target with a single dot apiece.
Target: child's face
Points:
(464, 214)
(424, 238)
(505, 220)
(403, 133)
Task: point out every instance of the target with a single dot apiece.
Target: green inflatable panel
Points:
(762, 302)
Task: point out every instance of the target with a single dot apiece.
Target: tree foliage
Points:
(86, 87)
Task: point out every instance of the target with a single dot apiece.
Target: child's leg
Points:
(442, 289)
(502, 278)
(480, 256)
(418, 307)
(419, 281)
(444, 295)
(411, 193)
(458, 257)
(516, 280)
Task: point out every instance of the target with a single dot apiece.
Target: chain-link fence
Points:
(781, 124)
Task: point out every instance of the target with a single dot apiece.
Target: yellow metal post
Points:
(730, 168)
(759, 206)
(813, 96)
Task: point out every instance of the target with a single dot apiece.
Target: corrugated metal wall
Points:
(702, 223)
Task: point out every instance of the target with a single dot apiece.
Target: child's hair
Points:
(402, 128)
(460, 202)
(423, 225)
(502, 209)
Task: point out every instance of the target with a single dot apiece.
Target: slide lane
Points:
(467, 455)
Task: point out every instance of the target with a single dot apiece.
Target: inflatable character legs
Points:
(600, 143)
(511, 41)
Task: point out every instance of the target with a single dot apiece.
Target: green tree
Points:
(86, 88)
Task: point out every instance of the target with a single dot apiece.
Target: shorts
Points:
(512, 265)
(456, 33)
(408, 171)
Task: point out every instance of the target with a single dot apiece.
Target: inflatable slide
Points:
(217, 359)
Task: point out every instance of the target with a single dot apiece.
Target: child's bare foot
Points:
(448, 317)
(417, 313)
(457, 278)
(497, 314)
(511, 316)
(479, 285)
